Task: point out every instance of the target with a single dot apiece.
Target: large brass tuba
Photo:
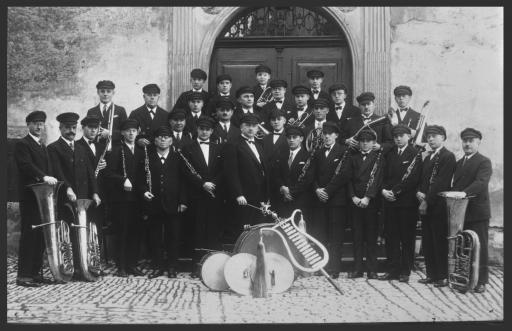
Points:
(56, 234)
(463, 246)
(87, 241)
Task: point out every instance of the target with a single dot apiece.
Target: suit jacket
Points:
(361, 176)
(288, 176)
(186, 138)
(324, 169)
(396, 166)
(33, 164)
(258, 91)
(119, 116)
(322, 95)
(288, 108)
(220, 136)
(209, 109)
(191, 124)
(347, 112)
(473, 178)
(238, 113)
(441, 181)
(411, 118)
(146, 124)
(92, 157)
(382, 128)
(73, 168)
(244, 174)
(209, 173)
(167, 184)
(183, 103)
(114, 172)
(271, 150)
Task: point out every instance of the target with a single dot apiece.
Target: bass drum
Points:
(211, 269)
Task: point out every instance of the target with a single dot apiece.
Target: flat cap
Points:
(151, 88)
(470, 133)
(90, 120)
(435, 129)
(68, 118)
(222, 77)
(365, 97)
(205, 121)
(129, 123)
(244, 89)
(262, 68)
(314, 73)
(294, 130)
(330, 127)
(250, 119)
(177, 114)
(162, 131)
(301, 89)
(224, 103)
(36, 116)
(337, 87)
(320, 103)
(198, 73)
(367, 134)
(402, 90)
(276, 113)
(105, 84)
(195, 96)
(400, 129)
(278, 83)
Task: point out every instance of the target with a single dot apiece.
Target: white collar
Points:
(263, 87)
(176, 132)
(247, 138)
(303, 109)
(404, 110)
(87, 139)
(224, 95)
(319, 89)
(342, 105)
(402, 149)
(130, 145)
(102, 105)
(294, 152)
(436, 151)
(282, 130)
(319, 122)
(149, 109)
(198, 91)
(366, 117)
(37, 139)
(248, 110)
(469, 156)
(194, 114)
(204, 141)
(68, 141)
(163, 155)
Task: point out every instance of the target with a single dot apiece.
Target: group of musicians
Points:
(207, 163)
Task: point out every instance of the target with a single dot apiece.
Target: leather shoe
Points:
(135, 271)
(427, 280)
(335, 275)
(480, 288)
(156, 273)
(388, 276)
(171, 273)
(404, 279)
(441, 283)
(121, 273)
(372, 275)
(42, 280)
(355, 274)
(28, 283)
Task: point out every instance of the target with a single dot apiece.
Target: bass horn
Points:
(56, 234)
(87, 243)
(463, 246)
(315, 139)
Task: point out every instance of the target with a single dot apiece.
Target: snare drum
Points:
(211, 269)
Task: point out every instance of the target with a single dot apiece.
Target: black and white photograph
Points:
(261, 164)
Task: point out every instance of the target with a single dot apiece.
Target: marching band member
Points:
(404, 114)
(263, 74)
(106, 91)
(400, 204)
(367, 166)
(280, 101)
(164, 197)
(471, 178)
(197, 80)
(224, 84)
(315, 79)
(195, 104)
(245, 98)
(301, 114)
(225, 129)
(340, 110)
(177, 121)
(121, 170)
(34, 167)
(320, 110)
(436, 175)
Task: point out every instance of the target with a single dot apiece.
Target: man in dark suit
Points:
(382, 128)
(316, 78)
(105, 89)
(245, 98)
(340, 110)
(404, 114)
(224, 84)
(165, 200)
(34, 167)
(195, 104)
(177, 122)
(197, 80)
(320, 110)
(367, 166)
(71, 165)
(263, 74)
(471, 178)
(203, 178)
(150, 116)
(436, 176)
(280, 101)
(225, 129)
(302, 114)
(328, 221)
(246, 174)
(400, 204)
(123, 162)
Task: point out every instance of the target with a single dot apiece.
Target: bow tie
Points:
(403, 109)
(365, 154)
(301, 109)
(277, 133)
(338, 108)
(327, 148)
(249, 141)
(279, 101)
(367, 118)
(204, 142)
(316, 91)
(90, 142)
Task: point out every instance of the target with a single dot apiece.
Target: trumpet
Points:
(262, 132)
(266, 96)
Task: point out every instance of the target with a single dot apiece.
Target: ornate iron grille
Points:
(281, 22)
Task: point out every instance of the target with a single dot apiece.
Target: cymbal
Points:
(281, 272)
(238, 272)
(212, 271)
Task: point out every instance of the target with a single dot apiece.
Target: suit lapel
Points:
(197, 150)
(245, 147)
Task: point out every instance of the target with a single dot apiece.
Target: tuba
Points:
(315, 139)
(87, 241)
(56, 234)
(463, 246)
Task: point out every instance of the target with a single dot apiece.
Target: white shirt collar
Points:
(149, 109)
(37, 139)
(102, 105)
(163, 155)
(402, 149)
(342, 105)
(198, 91)
(199, 140)
(247, 138)
(132, 146)
(247, 110)
(224, 95)
(295, 151)
(68, 141)
(282, 130)
(470, 155)
(436, 151)
(196, 114)
(319, 123)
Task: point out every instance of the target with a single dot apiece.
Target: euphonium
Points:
(56, 234)
(463, 246)
(315, 139)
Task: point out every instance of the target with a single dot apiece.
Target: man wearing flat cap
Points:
(400, 204)
(245, 105)
(195, 107)
(106, 91)
(280, 100)
(302, 114)
(224, 84)
(205, 198)
(226, 128)
(354, 124)
(150, 116)
(123, 162)
(436, 177)
(246, 174)
(471, 178)
(320, 110)
(340, 110)
(71, 165)
(404, 114)
(177, 122)
(197, 80)
(34, 167)
(315, 79)
(263, 74)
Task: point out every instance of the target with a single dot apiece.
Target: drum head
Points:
(212, 271)
(249, 239)
(238, 272)
(280, 271)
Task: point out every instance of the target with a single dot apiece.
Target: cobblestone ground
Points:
(186, 300)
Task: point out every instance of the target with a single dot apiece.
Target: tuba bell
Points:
(463, 246)
(56, 234)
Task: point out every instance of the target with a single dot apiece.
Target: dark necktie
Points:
(152, 112)
(276, 133)
(105, 111)
(224, 128)
(316, 91)
(72, 146)
(364, 155)
(399, 152)
(464, 161)
(204, 142)
(338, 108)
(178, 138)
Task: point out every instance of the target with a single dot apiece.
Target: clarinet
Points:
(372, 173)
(411, 167)
(124, 163)
(340, 164)
(147, 170)
(188, 164)
(434, 171)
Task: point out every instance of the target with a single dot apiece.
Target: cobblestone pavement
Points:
(186, 300)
